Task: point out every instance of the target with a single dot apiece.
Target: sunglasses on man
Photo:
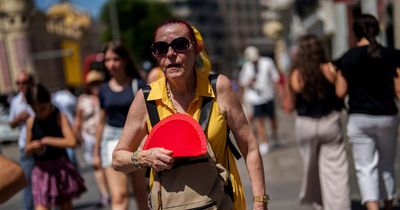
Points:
(23, 82)
(179, 45)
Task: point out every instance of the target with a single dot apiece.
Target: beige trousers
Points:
(325, 173)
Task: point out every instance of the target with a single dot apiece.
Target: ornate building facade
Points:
(49, 44)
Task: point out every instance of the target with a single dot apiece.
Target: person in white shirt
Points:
(20, 111)
(259, 78)
(65, 101)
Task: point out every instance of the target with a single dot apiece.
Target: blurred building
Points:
(332, 20)
(50, 44)
(228, 26)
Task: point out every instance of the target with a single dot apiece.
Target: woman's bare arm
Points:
(28, 146)
(134, 131)
(68, 139)
(397, 83)
(232, 109)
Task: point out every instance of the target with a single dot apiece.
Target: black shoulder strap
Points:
(153, 114)
(235, 151)
(207, 105)
(151, 106)
(205, 112)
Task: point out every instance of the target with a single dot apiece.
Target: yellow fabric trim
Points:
(205, 64)
(203, 88)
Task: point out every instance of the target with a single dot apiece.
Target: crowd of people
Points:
(113, 117)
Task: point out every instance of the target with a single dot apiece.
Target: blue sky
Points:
(93, 7)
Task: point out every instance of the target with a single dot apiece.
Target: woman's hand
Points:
(157, 158)
(37, 144)
(96, 161)
(38, 147)
(45, 140)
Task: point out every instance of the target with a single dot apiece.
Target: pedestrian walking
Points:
(86, 119)
(20, 111)
(115, 98)
(259, 79)
(55, 180)
(65, 101)
(372, 82)
(182, 90)
(314, 92)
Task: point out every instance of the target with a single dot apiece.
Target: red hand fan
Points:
(179, 133)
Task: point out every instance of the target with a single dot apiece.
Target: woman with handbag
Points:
(182, 90)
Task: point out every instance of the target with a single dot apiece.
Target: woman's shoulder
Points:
(391, 53)
(85, 98)
(223, 82)
(355, 51)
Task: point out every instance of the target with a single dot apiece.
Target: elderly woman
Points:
(182, 90)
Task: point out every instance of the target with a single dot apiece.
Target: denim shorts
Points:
(108, 143)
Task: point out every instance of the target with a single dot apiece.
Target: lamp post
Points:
(114, 20)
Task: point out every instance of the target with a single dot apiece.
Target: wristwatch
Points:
(262, 199)
(134, 159)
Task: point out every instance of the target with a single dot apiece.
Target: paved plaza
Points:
(282, 165)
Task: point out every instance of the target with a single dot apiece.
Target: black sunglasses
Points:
(22, 82)
(179, 45)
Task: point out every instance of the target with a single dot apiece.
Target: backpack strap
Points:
(205, 113)
(151, 106)
(153, 114)
(235, 151)
(135, 86)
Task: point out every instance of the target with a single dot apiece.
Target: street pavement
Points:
(282, 166)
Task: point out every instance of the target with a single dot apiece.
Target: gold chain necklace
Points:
(169, 94)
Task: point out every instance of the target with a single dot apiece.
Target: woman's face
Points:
(114, 63)
(175, 64)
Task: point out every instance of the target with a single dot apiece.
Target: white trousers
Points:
(374, 141)
(325, 173)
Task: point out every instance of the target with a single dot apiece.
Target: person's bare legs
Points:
(41, 207)
(101, 181)
(66, 205)
(388, 204)
(260, 126)
(118, 185)
(139, 185)
(372, 205)
(274, 133)
(261, 135)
